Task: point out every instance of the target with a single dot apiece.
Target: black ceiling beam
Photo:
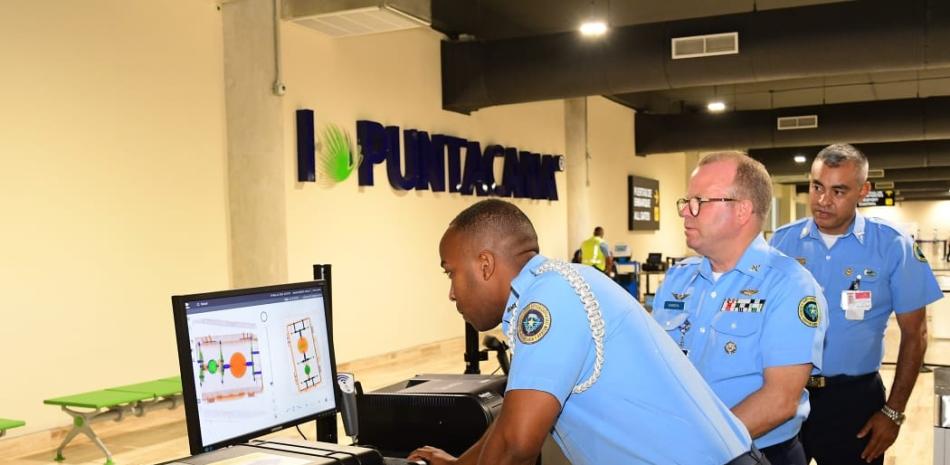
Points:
(860, 122)
(902, 177)
(837, 38)
(883, 155)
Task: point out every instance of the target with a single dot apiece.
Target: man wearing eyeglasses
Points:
(869, 268)
(748, 317)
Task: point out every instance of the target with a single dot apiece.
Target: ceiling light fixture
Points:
(800, 159)
(593, 28)
(716, 107)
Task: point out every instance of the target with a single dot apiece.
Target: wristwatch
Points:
(894, 415)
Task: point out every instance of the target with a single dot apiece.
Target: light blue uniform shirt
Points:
(890, 266)
(649, 405)
(766, 312)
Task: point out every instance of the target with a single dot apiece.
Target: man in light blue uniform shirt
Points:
(868, 268)
(589, 366)
(750, 318)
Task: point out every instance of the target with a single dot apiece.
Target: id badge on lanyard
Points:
(855, 302)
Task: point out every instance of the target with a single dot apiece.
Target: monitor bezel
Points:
(189, 392)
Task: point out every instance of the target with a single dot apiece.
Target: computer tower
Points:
(450, 412)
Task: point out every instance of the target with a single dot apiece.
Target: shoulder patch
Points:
(919, 253)
(808, 312)
(533, 323)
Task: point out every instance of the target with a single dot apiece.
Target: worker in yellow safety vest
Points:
(595, 252)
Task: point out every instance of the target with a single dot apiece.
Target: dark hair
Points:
(498, 217)
(836, 154)
(598, 231)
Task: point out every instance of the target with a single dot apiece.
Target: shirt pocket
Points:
(670, 320)
(735, 345)
(872, 279)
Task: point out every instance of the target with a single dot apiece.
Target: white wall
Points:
(925, 219)
(114, 186)
(613, 159)
(389, 292)
(928, 216)
(112, 190)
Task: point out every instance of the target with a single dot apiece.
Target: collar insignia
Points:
(755, 268)
(801, 260)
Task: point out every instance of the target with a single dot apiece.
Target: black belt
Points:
(753, 457)
(786, 444)
(825, 381)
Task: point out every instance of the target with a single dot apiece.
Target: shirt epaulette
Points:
(693, 260)
(884, 222)
(797, 222)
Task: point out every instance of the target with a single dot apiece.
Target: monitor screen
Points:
(254, 361)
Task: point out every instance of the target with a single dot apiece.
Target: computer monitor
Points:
(654, 258)
(254, 361)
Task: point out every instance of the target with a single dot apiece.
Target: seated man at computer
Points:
(589, 366)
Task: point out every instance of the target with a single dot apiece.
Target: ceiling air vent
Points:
(884, 184)
(787, 123)
(706, 46)
(356, 17)
(876, 173)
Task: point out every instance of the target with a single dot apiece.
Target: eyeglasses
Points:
(695, 203)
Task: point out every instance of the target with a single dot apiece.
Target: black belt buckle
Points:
(816, 382)
(753, 457)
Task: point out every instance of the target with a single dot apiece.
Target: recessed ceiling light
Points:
(716, 107)
(594, 28)
(800, 159)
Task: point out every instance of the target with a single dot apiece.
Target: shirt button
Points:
(702, 330)
(733, 326)
(712, 294)
(827, 257)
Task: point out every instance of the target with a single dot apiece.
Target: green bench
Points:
(6, 424)
(115, 404)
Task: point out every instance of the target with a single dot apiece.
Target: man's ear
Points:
(486, 264)
(865, 188)
(745, 211)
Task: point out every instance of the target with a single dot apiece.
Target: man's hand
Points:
(883, 432)
(432, 455)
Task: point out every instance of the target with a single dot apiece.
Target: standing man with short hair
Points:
(868, 268)
(748, 317)
(595, 252)
(588, 367)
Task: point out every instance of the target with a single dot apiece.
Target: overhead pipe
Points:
(818, 40)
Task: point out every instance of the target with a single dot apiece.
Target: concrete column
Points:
(256, 175)
(578, 192)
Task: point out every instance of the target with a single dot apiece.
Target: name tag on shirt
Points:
(855, 303)
(674, 305)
